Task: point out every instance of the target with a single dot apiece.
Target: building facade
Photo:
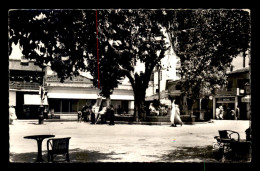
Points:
(25, 79)
(63, 100)
(235, 95)
(67, 98)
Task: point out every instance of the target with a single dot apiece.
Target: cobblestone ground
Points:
(123, 142)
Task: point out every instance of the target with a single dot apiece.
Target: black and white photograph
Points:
(129, 86)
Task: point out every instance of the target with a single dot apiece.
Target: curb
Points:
(133, 122)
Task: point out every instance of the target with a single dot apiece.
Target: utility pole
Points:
(159, 74)
(244, 59)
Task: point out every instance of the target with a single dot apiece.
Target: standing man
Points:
(233, 115)
(217, 112)
(112, 115)
(221, 112)
(237, 113)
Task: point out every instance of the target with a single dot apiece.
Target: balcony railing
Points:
(23, 85)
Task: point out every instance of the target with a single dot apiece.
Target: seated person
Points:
(101, 114)
(152, 109)
(119, 110)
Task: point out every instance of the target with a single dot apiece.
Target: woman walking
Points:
(177, 118)
(173, 114)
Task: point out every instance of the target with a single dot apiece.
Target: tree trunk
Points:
(108, 101)
(201, 112)
(190, 103)
(139, 109)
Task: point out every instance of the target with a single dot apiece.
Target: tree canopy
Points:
(205, 40)
(125, 37)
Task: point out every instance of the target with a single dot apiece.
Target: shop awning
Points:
(72, 96)
(87, 96)
(246, 99)
(121, 97)
(34, 99)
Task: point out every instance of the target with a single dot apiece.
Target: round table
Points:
(39, 139)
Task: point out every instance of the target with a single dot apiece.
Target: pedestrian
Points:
(221, 112)
(233, 114)
(119, 110)
(79, 116)
(89, 113)
(101, 114)
(12, 115)
(237, 113)
(177, 118)
(112, 115)
(173, 114)
(217, 112)
(92, 115)
(228, 113)
(45, 112)
(84, 112)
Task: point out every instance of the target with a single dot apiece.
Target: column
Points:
(214, 108)
(131, 106)
(236, 103)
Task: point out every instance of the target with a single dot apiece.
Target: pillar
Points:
(131, 106)
(236, 104)
(214, 108)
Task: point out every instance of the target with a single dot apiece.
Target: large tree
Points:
(125, 37)
(206, 42)
(128, 37)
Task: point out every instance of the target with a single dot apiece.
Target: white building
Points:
(161, 77)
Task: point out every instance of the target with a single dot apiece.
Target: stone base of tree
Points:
(192, 119)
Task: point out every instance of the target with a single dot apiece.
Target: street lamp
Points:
(42, 97)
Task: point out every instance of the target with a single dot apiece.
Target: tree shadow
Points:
(76, 156)
(196, 154)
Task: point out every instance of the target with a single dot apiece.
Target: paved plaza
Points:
(122, 142)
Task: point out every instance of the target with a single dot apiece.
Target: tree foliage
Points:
(125, 37)
(206, 42)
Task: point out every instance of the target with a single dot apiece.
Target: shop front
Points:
(245, 109)
(227, 102)
(31, 106)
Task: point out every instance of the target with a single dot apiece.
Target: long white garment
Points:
(177, 119)
(172, 113)
(12, 113)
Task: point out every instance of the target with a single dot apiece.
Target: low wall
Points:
(66, 116)
(158, 118)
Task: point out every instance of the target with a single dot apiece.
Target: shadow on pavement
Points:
(76, 156)
(182, 154)
(196, 154)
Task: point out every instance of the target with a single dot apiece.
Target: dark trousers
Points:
(103, 119)
(112, 120)
(92, 118)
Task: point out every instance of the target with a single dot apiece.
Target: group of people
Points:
(229, 113)
(174, 116)
(89, 114)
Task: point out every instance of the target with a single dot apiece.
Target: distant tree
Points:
(206, 42)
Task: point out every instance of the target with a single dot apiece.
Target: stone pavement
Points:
(123, 142)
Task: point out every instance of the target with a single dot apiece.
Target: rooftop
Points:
(246, 69)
